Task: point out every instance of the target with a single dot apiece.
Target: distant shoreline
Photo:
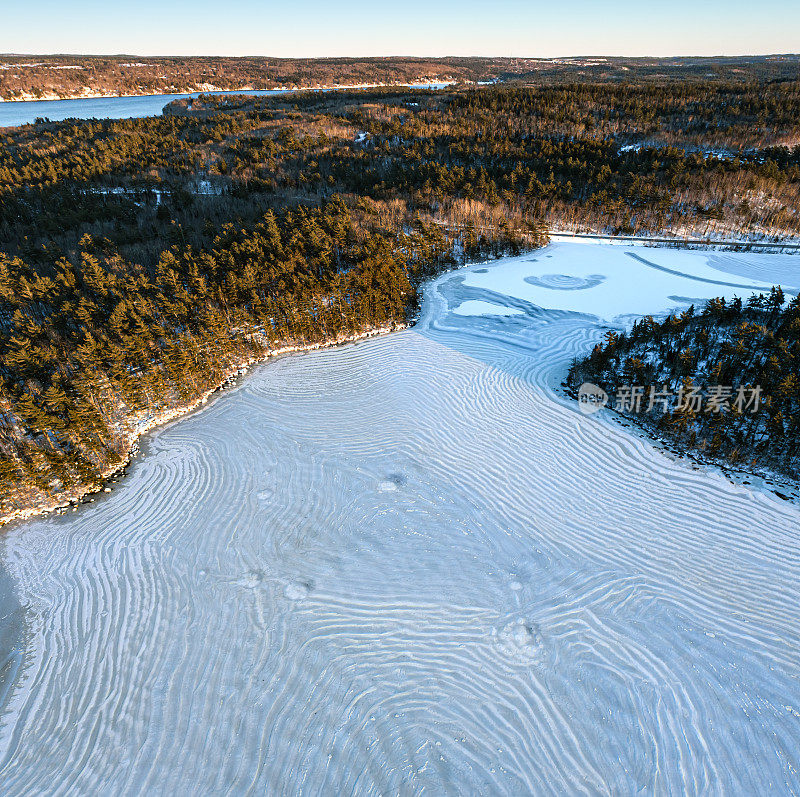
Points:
(73, 97)
(661, 240)
(217, 90)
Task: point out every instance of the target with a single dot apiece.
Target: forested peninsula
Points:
(143, 261)
(722, 380)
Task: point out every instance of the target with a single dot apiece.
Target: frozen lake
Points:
(408, 565)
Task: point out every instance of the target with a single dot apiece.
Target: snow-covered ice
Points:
(614, 281)
(410, 566)
(479, 307)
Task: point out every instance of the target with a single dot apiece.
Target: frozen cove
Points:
(410, 566)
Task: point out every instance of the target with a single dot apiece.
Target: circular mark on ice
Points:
(297, 590)
(393, 481)
(252, 579)
(565, 282)
(521, 641)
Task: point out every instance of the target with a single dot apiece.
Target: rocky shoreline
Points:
(142, 424)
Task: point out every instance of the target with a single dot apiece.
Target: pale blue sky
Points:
(407, 27)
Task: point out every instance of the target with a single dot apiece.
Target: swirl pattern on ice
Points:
(409, 566)
(565, 282)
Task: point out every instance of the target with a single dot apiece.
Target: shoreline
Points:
(663, 240)
(141, 425)
(217, 90)
(764, 479)
(96, 96)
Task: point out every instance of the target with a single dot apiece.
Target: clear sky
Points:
(407, 27)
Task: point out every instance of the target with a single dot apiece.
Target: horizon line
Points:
(395, 56)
